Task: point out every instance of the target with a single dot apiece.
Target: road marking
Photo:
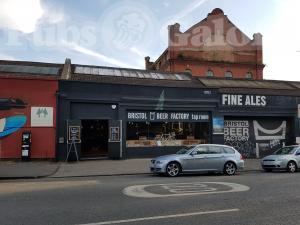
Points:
(20, 187)
(164, 217)
(183, 189)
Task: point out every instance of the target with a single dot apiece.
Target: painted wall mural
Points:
(257, 138)
(270, 137)
(237, 135)
(11, 124)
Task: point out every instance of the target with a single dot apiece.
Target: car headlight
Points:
(159, 162)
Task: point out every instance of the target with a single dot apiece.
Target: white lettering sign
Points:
(137, 116)
(236, 130)
(244, 100)
(167, 116)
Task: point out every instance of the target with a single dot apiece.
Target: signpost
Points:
(74, 134)
(74, 137)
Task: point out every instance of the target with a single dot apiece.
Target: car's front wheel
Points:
(173, 169)
(292, 167)
(230, 168)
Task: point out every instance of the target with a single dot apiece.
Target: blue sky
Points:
(122, 32)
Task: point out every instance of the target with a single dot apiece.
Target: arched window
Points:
(210, 73)
(228, 74)
(187, 70)
(249, 76)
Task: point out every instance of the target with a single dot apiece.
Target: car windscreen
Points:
(286, 151)
(185, 150)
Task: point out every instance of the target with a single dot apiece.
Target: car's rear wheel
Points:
(230, 168)
(173, 169)
(291, 167)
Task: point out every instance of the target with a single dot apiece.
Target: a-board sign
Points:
(114, 134)
(74, 134)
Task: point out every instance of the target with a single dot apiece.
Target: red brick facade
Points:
(213, 47)
(22, 90)
(33, 92)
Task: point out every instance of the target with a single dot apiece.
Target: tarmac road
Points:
(247, 198)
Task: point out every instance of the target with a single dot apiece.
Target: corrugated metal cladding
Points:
(247, 84)
(118, 72)
(41, 70)
(295, 84)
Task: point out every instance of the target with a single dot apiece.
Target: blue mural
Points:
(11, 124)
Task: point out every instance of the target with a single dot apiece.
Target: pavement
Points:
(27, 170)
(103, 167)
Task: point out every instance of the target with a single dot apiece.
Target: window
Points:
(215, 150)
(228, 150)
(187, 70)
(200, 151)
(228, 74)
(209, 73)
(159, 65)
(249, 76)
(159, 134)
(286, 150)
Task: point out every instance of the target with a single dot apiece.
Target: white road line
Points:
(164, 217)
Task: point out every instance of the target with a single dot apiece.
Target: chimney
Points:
(66, 72)
(257, 42)
(148, 64)
(173, 30)
(257, 38)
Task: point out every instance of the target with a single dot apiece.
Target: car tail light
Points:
(242, 157)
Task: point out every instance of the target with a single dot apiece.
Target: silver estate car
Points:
(199, 158)
(286, 158)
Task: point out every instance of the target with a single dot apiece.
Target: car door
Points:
(196, 161)
(297, 156)
(215, 158)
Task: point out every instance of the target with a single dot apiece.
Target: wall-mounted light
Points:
(113, 107)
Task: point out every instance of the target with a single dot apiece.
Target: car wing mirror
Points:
(192, 154)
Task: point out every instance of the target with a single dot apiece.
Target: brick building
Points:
(129, 113)
(214, 47)
(28, 92)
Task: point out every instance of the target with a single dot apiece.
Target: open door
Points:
(94, 138)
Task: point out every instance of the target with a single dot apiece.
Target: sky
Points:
(121, 33)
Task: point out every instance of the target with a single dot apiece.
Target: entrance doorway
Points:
(94, 138)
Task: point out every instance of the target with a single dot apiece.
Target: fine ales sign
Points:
(244, 100)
